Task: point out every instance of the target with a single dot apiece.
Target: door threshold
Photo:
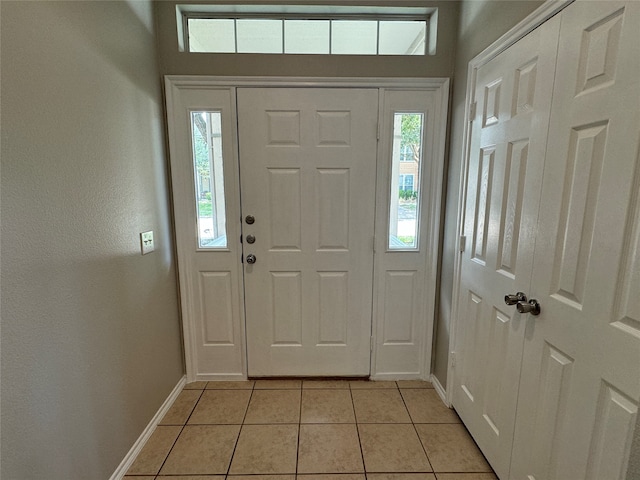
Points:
(303, 377)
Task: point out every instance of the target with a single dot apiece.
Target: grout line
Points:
(181, 428)
(244, 417)
(417, 434)
(299, 425)
(353, 405)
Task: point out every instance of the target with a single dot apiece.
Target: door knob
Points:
(251, 258)
(513, 299)
(251, 239)
(250, 219)
(532, 307)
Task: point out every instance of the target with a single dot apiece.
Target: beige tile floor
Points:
(310, 430)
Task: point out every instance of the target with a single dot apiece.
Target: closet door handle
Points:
(514, 299)
(532, 307)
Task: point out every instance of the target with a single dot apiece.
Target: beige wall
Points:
(174, 62)
(90, 329)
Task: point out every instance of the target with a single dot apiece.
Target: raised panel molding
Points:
(524, 88)
(333, 204)
(612, 434)
(334, 129)
(286, 308)
(483, 205)
(553, 387)
(217, 308)
(334, 308)
(577, 213)
(513, 192)
(599, 53)
(399, 312)
(284, 204)
(283, 128)
(496, 360)
(491, 114)
(627, 305)
(474, 313)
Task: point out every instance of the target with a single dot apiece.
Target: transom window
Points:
(330, 30)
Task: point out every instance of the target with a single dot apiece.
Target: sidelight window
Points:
(206, 132)
(406, 165)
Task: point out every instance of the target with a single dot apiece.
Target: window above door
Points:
(316, 30)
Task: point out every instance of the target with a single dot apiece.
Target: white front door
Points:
(513, 95)
(580, 385)
(308, 172)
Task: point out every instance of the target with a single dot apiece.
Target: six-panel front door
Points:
(307, 168)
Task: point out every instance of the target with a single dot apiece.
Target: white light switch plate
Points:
(146, 242)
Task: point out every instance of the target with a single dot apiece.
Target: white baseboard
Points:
(441, 391)
(130, 457)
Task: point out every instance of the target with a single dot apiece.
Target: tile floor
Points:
(310, 430)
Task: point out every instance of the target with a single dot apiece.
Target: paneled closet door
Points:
(580, 382)
(506, 161)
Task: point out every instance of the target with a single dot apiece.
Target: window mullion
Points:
(235, 34)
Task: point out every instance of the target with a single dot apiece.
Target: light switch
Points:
(146, 242)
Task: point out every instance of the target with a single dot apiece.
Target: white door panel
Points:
(581, 366)
(308, 163)
(513, 95)
(405, 272)
(210, 275)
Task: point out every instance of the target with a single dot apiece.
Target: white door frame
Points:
(531, 22)
(439, 88)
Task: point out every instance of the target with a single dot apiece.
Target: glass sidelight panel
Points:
(206, 131)
(406, 166)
